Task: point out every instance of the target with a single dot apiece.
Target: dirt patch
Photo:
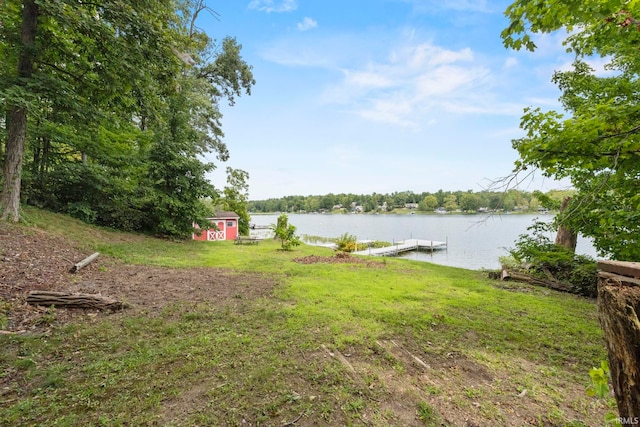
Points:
(458, 391)
(33, 260)
(339, 258)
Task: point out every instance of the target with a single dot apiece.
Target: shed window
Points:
(230, 224)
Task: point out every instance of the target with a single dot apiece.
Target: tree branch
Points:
(68, 73)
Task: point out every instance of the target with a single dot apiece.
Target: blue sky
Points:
(379, 95)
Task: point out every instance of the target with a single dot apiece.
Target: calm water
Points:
(474, 241)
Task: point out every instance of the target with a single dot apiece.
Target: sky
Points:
(379, 96)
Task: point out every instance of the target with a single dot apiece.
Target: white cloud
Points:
(273, 6)
(394, 110)
(415, 81)
(307, 24)
(315, 50)
(366, 79)
(511, 62)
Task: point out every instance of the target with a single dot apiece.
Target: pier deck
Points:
(406, 246)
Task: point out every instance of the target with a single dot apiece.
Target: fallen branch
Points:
(69, 300)
(84, 262)
(291, 423)
(527, 278)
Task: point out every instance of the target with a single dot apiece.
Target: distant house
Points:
(226, 227)
(411, 205)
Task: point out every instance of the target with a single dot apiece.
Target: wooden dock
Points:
(406, 246)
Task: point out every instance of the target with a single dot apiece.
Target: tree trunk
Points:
(17, 119)
(619, 310)
(16, 131)
(565, 236)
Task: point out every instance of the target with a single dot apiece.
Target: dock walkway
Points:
(406, 246)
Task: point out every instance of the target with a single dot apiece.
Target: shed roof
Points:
(224, 214)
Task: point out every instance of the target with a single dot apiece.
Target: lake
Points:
(474, 241)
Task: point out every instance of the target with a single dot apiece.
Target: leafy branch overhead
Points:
(595, 140)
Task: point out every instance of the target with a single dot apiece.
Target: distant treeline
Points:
(449, 201)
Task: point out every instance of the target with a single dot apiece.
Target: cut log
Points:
(619, 312)
(629, 269)
(69, 300)
(84, 262)
(526, 278)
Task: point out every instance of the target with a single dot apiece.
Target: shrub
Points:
(286, 233)
(542, 257)
(346, 242)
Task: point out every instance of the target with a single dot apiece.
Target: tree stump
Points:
(619, 311)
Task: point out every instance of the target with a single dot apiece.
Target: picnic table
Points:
(241, 240)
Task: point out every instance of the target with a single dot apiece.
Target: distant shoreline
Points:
(411, 212)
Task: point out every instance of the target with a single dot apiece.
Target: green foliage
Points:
(427, 202)
(378, 244)
(545, 258)
(599, 388)
(599, 381)
(346, 242)
(596, 143)
(117, 133)
(235, 197)
(286, 233)
(428, 415)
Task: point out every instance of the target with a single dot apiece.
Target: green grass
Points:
(263, 361)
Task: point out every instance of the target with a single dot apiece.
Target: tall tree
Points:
(122, 106)
(595, 141)
(16, 105)
(71, 59)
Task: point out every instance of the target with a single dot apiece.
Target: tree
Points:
(469, 202)
(286, 233)
(429, 203)
(236, 194)
(16, 104)
(595, 142)
(77, 64)
(123, 104)
(450, 203)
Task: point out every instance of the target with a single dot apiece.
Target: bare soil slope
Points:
(33, 260)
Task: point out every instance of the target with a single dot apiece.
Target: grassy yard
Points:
(386, 342)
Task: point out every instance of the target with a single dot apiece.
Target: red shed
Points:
(227, 224)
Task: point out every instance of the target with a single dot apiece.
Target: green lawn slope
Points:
(376, 342)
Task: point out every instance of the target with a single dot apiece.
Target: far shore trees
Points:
(469, 201)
